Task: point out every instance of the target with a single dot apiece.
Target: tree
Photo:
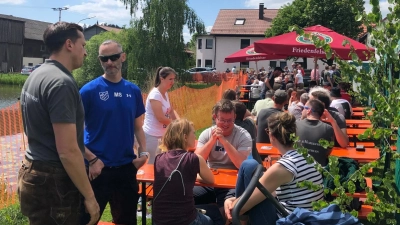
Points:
(157, 38)
(328, 13)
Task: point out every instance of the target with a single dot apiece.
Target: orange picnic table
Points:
(370, 154)
(358, 109)
(360, 114)
(359, 123)
(223, 178)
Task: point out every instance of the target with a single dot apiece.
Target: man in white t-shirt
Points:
(342, 105)
(223, 146)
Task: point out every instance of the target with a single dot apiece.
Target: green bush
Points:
(12, 215)
(13, 79)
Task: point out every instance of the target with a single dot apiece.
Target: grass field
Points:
(13, 79)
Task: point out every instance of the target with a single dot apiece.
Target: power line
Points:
(59, 11)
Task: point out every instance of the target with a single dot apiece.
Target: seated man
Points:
(310, 130)
(337, 120)
(343, 106)
(225, 145)
(280, 99)
(297, 109)
(249, 125)
(263, 103)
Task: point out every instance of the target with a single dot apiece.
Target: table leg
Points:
(144, 203)
(355, 140)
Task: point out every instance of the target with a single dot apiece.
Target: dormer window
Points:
(240, 21)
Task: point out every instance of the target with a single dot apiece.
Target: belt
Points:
(117, 167)
(43, 166)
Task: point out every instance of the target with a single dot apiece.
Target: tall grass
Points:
(13, 79)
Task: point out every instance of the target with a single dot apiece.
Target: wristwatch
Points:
(147, 154)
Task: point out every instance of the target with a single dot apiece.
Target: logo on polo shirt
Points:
(104, 95)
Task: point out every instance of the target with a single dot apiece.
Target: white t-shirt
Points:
(151, 125)
(337, 103)
(300, 78)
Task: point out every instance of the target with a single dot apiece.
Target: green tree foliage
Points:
(91, 67)
(328, 13)
(157, 38)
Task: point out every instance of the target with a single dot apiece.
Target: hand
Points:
(93, 209)
(327, 117)
(95, 169)
(139, 162)
(228, 206)
(219, 134)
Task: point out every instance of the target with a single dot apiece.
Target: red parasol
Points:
(248, 54)
(292, 44)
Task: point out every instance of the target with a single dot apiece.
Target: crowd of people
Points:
(81, 156)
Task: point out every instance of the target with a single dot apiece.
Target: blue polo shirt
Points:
(110, 113)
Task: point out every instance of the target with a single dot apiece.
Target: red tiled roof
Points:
(225, 22)
(110, 28)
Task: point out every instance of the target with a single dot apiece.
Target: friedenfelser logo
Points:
(251, 52)
(301, 39)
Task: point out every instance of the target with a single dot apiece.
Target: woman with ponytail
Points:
(159, 111)
(280, 179)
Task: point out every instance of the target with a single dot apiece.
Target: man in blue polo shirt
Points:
(113, 109)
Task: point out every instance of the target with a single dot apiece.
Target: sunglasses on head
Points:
(110, 57)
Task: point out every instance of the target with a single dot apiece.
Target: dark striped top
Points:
(290, 195)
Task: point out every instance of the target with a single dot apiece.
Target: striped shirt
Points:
(290, 195)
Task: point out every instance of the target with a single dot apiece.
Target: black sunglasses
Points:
(110, 57)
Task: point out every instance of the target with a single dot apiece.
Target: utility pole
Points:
(59, 11)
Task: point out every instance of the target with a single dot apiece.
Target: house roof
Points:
(34, 29)
(105, 28)
(225, 22)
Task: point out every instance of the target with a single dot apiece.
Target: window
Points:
(240, 21)
(282, 64)
(272, 64)
(244, 65)
(209, 43)
(30, 64)
(43, 48)
(208, 63)
(198, 62)
(244, 43)
(199, 43)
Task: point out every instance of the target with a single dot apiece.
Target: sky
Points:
(114, 12)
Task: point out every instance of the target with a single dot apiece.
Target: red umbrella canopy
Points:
(248, 54)
(292, 44)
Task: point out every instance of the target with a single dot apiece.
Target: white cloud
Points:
(12, 2)
(209, 28)
(112, 12)
(384, 5)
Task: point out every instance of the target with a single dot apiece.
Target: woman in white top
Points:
(298, 81)
(159, 111)
(280, 179)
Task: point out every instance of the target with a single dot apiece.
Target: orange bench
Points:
(105, 223)
(364, 211)
(149, 191)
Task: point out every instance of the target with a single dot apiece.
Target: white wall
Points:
(34, 61)
(225, 46)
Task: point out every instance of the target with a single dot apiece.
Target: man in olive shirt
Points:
(53, 176)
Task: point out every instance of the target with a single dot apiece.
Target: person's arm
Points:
(156, 106)
(235, 155)
(96, 167)
(206, 144)
(205, 175)
(174, 115)
(140, 137)
(330, 80)
(340, 134)
(274, 177)
(72, 159)
(267, 83)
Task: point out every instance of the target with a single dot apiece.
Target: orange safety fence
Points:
(193, 104)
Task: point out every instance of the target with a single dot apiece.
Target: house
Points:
(21, 41)
(97, 29)
(233, 30)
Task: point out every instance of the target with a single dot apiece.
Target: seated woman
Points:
(280, 179)
(175, 173)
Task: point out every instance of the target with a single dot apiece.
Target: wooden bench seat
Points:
(364, 211)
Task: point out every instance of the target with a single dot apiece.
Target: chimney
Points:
(261, 11)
